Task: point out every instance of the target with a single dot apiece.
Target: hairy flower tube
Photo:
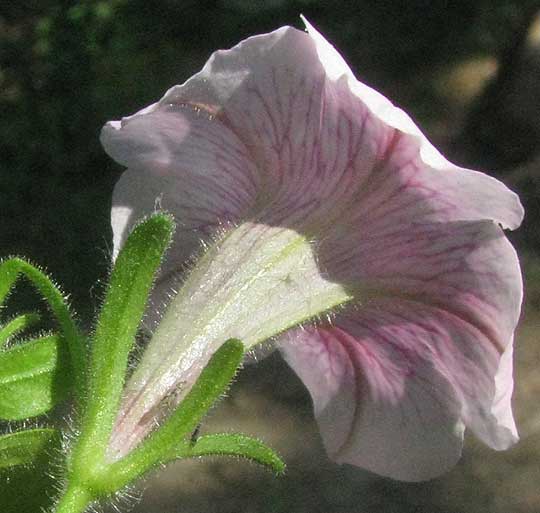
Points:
(333, 228)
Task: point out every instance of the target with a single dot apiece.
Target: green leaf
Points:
(33, 378)
(24, 447)
(15, 326)
(9, 271)
(159, 445)
(127, 294)
(225, 444)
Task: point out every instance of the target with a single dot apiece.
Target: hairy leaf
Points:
(234, 444)
(15, 326)
(33, 378)
(24, 447)
(10, 269)
(125, 302)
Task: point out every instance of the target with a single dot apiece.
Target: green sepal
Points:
(23, 447)
(232, 444)
(158, 447)
(125, 302)
(34, 378)
(15, 326)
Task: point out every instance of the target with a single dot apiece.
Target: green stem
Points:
(75, 500)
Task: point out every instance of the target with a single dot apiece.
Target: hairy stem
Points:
(75, 500)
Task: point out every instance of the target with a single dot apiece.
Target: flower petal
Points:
(288, 123)
(391, 384)
(371, 413)
(316, 132)
(473, 195)
(467, 269)
(270, 91)
(189, 163)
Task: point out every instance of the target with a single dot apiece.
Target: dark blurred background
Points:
(468, 72)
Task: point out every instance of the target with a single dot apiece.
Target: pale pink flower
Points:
(335, 229)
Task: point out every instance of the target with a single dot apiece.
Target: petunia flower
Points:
(333, 228)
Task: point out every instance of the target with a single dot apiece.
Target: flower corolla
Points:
(333, 228)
